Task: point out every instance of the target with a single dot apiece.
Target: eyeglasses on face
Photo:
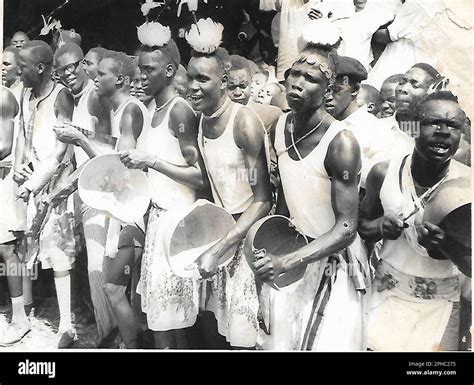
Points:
(71, 68)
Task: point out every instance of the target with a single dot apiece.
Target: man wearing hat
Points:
(416, 293)
(343, 105)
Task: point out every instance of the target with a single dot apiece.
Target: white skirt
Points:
(170, 302)
(231, 294)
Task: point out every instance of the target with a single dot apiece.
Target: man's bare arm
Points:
(343, 161)
(372, 212)
(9, 109)
(131, 126)
(63, 109)
(249, 136)
(184, 124)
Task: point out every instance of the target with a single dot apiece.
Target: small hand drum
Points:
(277, 236)
(192, 231)
(106, 184)
(450, 209)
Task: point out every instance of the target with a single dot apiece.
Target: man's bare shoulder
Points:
(248, 128)
(9, 105)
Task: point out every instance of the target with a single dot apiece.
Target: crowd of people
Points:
(368, 157)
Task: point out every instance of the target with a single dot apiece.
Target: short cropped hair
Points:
(238, 62)
(99, 52)
(41, 52)
(124, 64)
(448, 96)
(373, 94)
(429, 70)
(220, 55)
(170, 50)
(393, 79)
(14, 50)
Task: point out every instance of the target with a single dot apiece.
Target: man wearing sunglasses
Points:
(89, 110)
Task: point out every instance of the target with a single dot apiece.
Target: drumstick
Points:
(195, 21)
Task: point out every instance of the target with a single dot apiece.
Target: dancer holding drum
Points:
(319, 161)
(168, 149)
(124, 242)
(231, 139)
(418, 205)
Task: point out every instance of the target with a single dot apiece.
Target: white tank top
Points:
(44, 138)
(159, 141)
(116, 117)
(82, 118)
(405, 253)
(306, 183)
(225, 166)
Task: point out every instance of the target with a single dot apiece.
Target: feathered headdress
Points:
(148, 5)
(441, 84)
(153, 34)
(320, 31)
(205, 36)
(49, 25)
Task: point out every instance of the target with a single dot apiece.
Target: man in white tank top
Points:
(319, 163)
(415, 300)
(129, 117)
(11, 79)
(90, 113)
(168, 150)
(46, 104)
(231, 139)
(20, 324)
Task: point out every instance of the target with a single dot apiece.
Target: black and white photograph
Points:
(236, 177)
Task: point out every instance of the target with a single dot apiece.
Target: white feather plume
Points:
(153, 34)
(320, 31)
(206, 36)
(149, 5)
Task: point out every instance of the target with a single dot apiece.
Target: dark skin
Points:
(306, 88)
(96, 106)
(8, 112)
(63, 110)
(207, 89)
(412, 87)
(429, 165)
(157, 74)
(131, 123)
(38, 76)
(341, 102)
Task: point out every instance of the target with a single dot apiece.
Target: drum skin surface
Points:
(275, 235)
(106, 184)
(450, 209)
(193, 231)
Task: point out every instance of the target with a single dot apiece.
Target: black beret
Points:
(350, 67)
